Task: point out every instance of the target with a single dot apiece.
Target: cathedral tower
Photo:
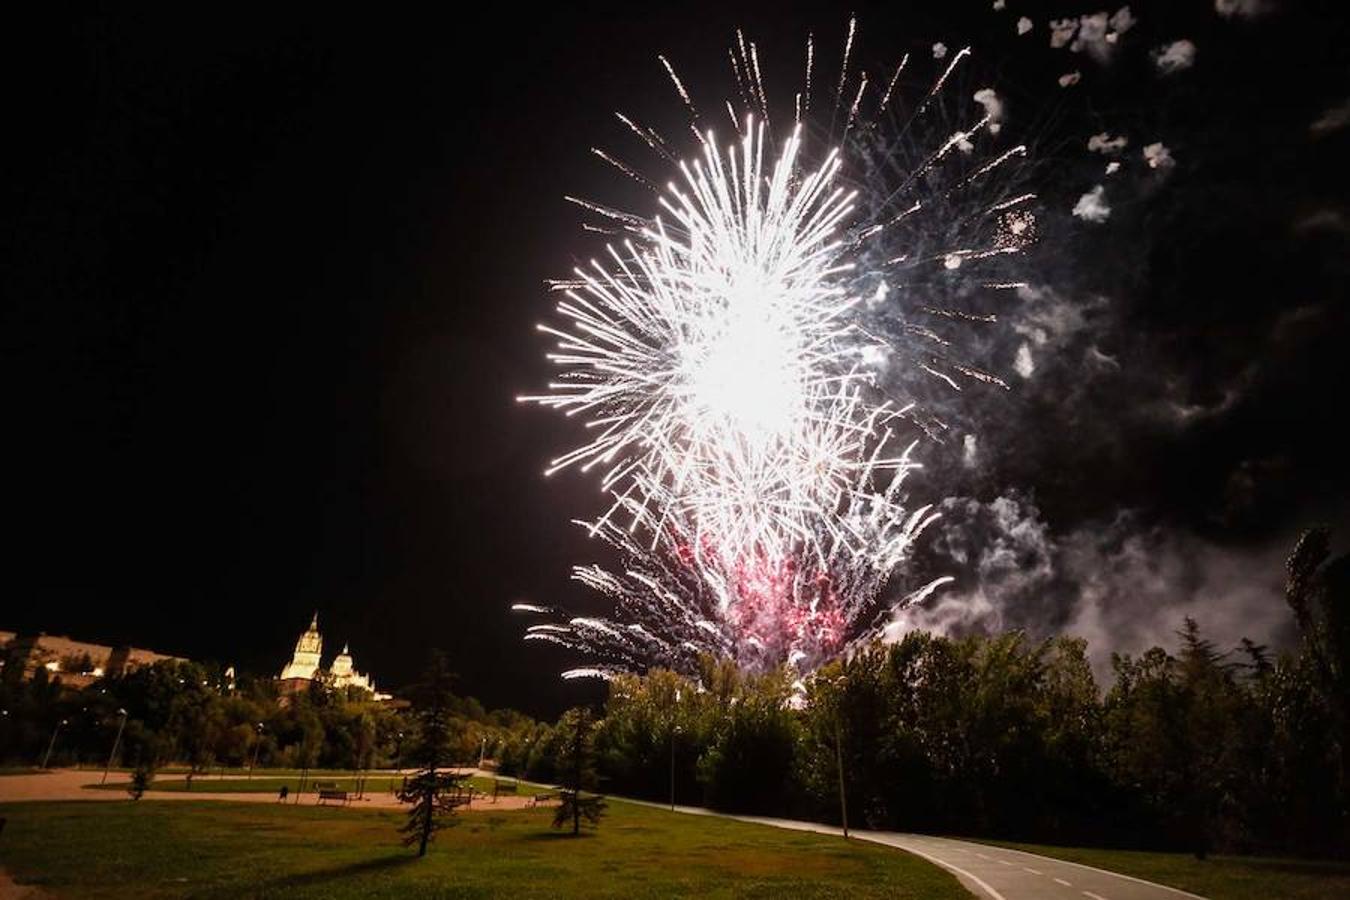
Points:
(305, 663)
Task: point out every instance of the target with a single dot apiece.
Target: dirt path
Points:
(74, 784)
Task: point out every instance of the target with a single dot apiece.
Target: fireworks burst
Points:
(722, 361)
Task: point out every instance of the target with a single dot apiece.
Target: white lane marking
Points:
(894, 835)
(1061, 881)
(984, 885)
(981, 856)
(1031, 870)
(1003, 862)
(1065, 862)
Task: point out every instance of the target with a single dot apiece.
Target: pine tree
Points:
(577, 768)
(435, 790)
(140, 781)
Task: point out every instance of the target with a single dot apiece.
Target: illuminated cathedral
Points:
(306, 666)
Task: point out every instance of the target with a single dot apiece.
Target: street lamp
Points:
(256, 744)
(116, 742)
(674, 728)
(52, 743)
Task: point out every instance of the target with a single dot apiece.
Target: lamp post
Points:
(116, 742)
(482, 752)
(52, 743)
(839, 763)
(256, 744)
(674, 729)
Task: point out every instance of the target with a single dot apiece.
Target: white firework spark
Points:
(714, 356)
(717, 359)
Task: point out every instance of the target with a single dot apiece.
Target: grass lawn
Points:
(1219, 877)
(174, 849)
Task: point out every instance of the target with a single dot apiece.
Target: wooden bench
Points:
(504, 787)
(542, 798)
(461, 796)
(333, 795)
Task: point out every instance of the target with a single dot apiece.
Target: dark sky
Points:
(270, 283)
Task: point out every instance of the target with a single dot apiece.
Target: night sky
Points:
(271, 278)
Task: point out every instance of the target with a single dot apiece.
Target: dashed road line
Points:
(1032, 871)
(1092, 896)
(980, 882)
(1061, 881)
(1152, 884)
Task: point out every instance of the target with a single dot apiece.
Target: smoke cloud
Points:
(1120, 584)
(1174, 57)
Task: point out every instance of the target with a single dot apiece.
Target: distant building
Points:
(76, 663)
(306, 666)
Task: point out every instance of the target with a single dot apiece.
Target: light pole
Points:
(116, 741)
(52, 743)
(839, 763)
(482, 751)
(674, 729)
(256, 744)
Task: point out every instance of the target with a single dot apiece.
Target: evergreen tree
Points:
(578, 770)
(435, 790)
(140, 781)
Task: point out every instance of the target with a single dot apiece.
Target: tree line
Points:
(1197, 748)
(190, 714)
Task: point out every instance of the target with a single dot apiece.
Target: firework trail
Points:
(724, 357)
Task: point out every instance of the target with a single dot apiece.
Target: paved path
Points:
(78, 784)
(989, 872)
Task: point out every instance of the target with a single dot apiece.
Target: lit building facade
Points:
(76, 664)
(306, 667)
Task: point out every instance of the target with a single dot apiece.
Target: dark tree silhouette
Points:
(435, 790)
(578, 770)
(140, 781)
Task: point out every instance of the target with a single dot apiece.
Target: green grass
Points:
(1218, 877)
(172, 849)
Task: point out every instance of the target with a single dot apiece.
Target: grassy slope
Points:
(150, 849)
(1219, 877)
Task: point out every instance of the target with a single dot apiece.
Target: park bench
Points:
(329, 794)
(504, 787)
(461, 796)
(542, 798)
